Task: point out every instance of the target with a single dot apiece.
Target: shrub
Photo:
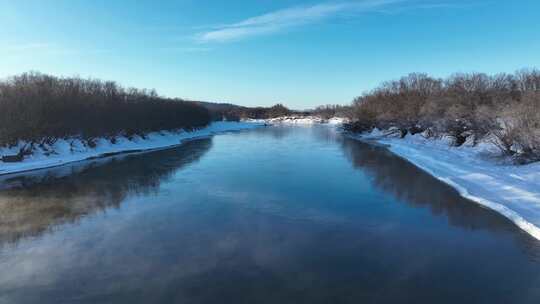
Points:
(518, 130)
(38, 108)
(330, 111)
(504, 106)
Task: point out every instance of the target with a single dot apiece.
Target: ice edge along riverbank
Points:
(67, 151)
(513, 191)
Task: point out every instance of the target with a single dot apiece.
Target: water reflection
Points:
(278, 131)
(275, 215)
(33, 203)
(415, 187)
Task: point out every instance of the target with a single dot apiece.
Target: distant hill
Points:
(230, 111)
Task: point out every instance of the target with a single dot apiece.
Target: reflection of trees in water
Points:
(415, 187)
(327, 133)
(41, 200)
(278, 132)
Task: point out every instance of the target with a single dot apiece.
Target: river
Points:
(272, 215)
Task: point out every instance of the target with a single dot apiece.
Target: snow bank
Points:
(303, 120)
(513, 191)
(299, 120)
(337, 121)
(72, 150)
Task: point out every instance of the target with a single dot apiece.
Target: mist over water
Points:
(274, 215)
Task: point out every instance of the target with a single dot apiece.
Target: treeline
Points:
(39, 108)
(230, 112)
(330, 111)
(503, 108)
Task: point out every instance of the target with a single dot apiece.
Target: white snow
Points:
(72, 150)
(337, 121)
(513, 191)
(303, 120)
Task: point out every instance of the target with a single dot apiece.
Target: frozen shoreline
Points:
(513, 191)
(72, 150)
(302, 120)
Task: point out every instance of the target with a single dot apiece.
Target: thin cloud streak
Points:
(287, 18)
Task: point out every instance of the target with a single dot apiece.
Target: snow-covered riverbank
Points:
(72, 150)
(303, 120)
(513, 191)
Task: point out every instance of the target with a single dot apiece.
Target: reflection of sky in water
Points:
(269, 216)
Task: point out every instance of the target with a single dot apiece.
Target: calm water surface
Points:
(275, 215)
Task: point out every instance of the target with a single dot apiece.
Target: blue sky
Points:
(301, 53)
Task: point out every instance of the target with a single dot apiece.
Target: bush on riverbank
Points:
(38, 108)
(331, 111)
(504, 108)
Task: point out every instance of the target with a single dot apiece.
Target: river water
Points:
(273, 215)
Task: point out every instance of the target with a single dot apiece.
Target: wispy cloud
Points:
(284, 19)
(288, 18)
